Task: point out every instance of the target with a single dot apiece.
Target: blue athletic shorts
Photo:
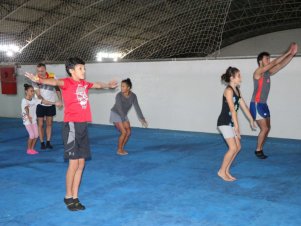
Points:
(259, 110)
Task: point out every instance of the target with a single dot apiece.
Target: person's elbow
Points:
(97, 86)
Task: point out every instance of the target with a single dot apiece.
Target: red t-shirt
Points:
(76, 100)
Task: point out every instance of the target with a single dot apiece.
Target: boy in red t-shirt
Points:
(77, 114)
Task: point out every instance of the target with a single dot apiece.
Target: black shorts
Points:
(76, 140)
(43, 111)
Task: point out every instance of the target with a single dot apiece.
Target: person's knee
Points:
(233, 149)
(49, 123)
(265, 129)
(31, 136)
(81, 164)
(73, 165)
(128, 132)
(40, 123)
(123, 132)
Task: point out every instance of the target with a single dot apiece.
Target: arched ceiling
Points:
(53, 30)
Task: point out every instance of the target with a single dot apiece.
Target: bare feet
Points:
(122, 152)
(230, 176)
(224, 176)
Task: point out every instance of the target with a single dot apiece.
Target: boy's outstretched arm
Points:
(101, 85)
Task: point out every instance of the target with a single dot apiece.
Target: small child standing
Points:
(28, 108)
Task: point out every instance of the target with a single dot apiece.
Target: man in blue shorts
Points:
(262, 82)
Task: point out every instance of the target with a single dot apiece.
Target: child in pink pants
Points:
(28, 107)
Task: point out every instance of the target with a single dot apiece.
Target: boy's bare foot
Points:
(224, 176)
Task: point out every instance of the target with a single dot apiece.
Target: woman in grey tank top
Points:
(124, 101)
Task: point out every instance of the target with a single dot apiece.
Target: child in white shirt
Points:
(28, 107)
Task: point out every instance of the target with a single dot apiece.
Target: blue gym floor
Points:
(168, 178)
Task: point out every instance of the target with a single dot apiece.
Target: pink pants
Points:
(32, 129)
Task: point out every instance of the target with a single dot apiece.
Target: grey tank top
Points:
(262, 88)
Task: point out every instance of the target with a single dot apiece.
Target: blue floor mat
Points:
(168, 178)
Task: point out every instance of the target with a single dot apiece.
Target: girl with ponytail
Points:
(124, 101)
(227, 121)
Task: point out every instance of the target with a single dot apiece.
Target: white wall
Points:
(183, 95)
(275, 43)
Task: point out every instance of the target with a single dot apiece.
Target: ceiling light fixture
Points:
(10, 50)
(112, 56)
